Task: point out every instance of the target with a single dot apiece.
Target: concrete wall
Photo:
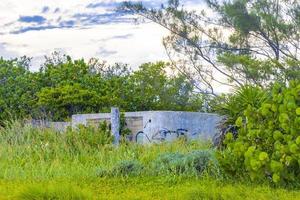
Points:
(57, 126)
(198, 125)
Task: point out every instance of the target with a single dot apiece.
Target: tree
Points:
(64, 87)
(241, 42)
(17, 89)
(63, 101)
(154, 89)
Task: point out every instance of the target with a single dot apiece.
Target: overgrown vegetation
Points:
(251, 46)
(268, 141)
(43, 164)
(64, 87)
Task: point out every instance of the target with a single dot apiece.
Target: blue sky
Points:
(80, 28)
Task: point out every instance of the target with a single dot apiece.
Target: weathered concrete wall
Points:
(198, 125)
(57, 126)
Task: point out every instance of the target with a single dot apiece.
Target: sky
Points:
(81, 29)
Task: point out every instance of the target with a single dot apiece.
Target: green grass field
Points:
(42, 164)
(140, 188)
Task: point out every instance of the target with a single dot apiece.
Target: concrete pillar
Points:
(115, 124)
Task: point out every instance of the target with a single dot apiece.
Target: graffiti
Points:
(163, 135)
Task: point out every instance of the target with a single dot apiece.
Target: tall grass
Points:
(27, 152)
(82, 164)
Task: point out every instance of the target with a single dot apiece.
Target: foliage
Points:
(64, 87)
(195, 162)
(154, 89)
(230, 42)
(124, 131)
(17, 88)
(40, 163)
(27, 152)
(172, 163)
(233, 105)
(124, 168)
(127, 168)
(89, 137)
(268, 142)
(67, 100)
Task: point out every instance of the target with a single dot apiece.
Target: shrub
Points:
(268, 143)
(233, 105)
(170, 163)
(127, 168)
(203, 161)
(195, 162)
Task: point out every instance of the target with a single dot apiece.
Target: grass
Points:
(141, 188)
(42, 164)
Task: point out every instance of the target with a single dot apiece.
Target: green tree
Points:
(245, 41)
(63, 101)
(154, 89)
(64, 87)
(17, 89)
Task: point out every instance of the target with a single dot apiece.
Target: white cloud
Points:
(113, 42)
(142, 44)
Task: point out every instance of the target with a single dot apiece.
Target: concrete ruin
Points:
(57, 126)
(155, 126)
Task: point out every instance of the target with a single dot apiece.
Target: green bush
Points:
(203, 161)
(268, 143)
(170, 163)
(127, 168)
(233, 105)
(195, 162)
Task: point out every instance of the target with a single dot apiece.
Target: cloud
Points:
(32, 19)
(105, 18)
(5, 53)
(56, 10)
(115, 37)
(80, 28)
(126, 36)
(104, 52)
(103, 4)
(33, 28)
(67, 24)
(45, 9)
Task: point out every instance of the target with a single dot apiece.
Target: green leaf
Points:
(283, 117)
(276, 166)
(293, 148)
(263, 156)
(298, 140)
(298, 111)
(239, 122)
(277, 135)
(276, 178)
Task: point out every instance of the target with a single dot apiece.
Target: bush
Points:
(203, 161)
(170, 163)
(195, 162)
(233, 105)
(268, 143)
(122, 168)
(127, 168)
